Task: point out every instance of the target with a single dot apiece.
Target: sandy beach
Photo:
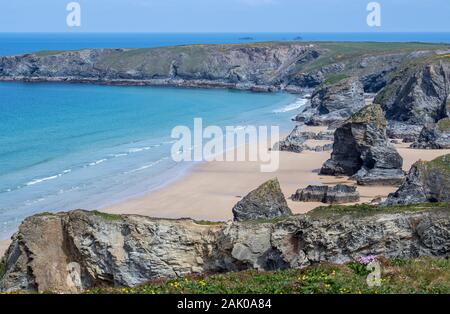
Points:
(211, 190)
(4, 246)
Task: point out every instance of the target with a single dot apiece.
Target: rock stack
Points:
(425, 182)
(266, 202)
(338, 194)
(361, 149)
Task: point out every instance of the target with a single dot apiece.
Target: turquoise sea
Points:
(84, 146)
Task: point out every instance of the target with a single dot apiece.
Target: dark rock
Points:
(334, 103)
(434, 136)
(266, 202)
(418, 94)
(403, 131)
(294, 142)
(361, 149)
(425, 182)
(338, 194)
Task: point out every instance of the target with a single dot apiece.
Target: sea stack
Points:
(361, 149)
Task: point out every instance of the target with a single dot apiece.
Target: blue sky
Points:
(224, 16)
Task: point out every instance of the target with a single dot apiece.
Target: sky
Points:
(243, 16)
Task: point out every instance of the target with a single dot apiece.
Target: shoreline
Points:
(211, 189)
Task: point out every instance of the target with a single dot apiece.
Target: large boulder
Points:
(331, 104)
(75, 251)
(434, 136)
(361, 149)
(425, 182)
(338, 194)
(418, 94)
(266, 202)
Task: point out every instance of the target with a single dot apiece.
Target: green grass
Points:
(2, 269)
(106, 216)
(424, 275)
(367, 210)
(335, 78)
(444, 125)
(208, 223)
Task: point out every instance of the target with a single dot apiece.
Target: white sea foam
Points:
(141, 149)
(40, 180)
(299, 103)
(148, 166)
(97, 162)
(36, 181)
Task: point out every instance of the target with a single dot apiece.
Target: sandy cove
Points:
(211, 189)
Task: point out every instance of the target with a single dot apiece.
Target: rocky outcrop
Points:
(295, 141)
(258, 67)
(361, 149)
(71, 252)
(339, 194)
(425, 182)
(334, 103)
(407, 132)
(418, 94)
(434, 136)
(266, 202)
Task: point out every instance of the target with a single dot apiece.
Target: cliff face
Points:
(259, 64)
(70, 252)
(418, 94)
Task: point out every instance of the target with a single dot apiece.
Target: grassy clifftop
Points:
(425, 275)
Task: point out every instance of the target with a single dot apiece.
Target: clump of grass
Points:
(208, 223)
(367, 210)
(2, 268)
(106, 216)
(444, 125)
(424, 275)
(335, 78)
(43, 214)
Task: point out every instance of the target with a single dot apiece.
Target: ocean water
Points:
(84, 146)
(19, 43)
(67, 146)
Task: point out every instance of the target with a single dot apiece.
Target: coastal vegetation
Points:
(423, 275)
